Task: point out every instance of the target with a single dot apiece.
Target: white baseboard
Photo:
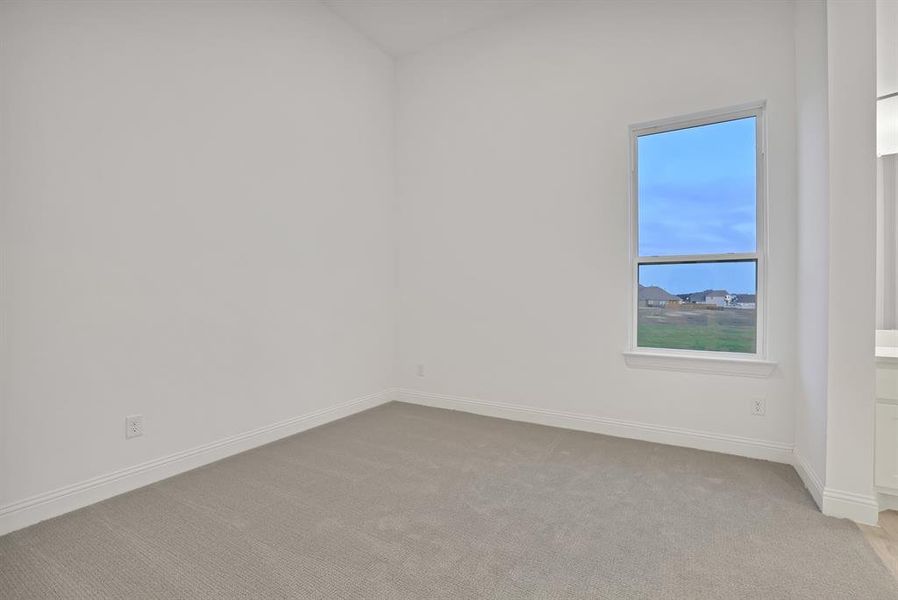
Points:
(54, 503)
(810, 478)
(859, 508)
(674, 436)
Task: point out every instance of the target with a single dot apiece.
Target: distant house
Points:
(716, 297)
(654, 296)
(721, 298)
(745, 301)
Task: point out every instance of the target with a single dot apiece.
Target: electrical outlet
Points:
(133, 426)
(758, 407)
(420, 370)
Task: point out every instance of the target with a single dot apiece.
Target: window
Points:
(698, 234)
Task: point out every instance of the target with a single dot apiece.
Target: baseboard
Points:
(674, 436)
(57, 502)
(848, 505)
(810, 478)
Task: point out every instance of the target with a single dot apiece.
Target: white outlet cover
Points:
(759, 407)
(133, 426)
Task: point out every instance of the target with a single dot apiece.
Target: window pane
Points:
(698, 306)
(697, 190)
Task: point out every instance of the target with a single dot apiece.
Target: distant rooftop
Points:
(655, 293)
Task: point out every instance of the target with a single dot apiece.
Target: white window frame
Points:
(736, 363)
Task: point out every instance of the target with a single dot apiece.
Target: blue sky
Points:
(697, 196)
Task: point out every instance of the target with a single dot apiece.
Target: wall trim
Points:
(809, 477)
(674, 436)
(693, 363)
(50, 504)
(860, 508)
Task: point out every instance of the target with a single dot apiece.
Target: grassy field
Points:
(696, 327)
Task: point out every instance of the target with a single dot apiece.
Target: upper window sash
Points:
(692, 197)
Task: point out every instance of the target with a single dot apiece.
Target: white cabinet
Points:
(886, 380)
(887, 412)
(887, 446)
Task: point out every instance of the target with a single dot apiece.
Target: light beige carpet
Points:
(411, 502)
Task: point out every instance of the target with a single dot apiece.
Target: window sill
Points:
(716, 365)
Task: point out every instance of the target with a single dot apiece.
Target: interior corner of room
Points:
(433, 298)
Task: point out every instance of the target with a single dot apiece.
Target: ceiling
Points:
(406, 26)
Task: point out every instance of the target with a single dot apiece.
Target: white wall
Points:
(852, 255)
(512, 151)
(886, 47)
(812, 293)
(197, 227)
(887, 173)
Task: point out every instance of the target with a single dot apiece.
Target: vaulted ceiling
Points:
(406, 26)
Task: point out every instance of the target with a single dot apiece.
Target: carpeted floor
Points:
(410, 502)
